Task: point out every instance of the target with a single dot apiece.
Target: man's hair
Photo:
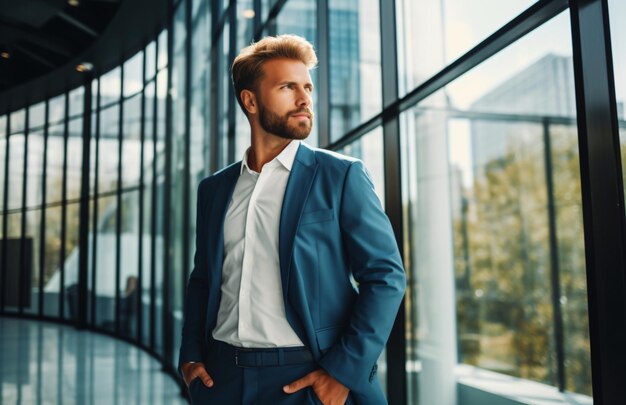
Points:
(247, 68)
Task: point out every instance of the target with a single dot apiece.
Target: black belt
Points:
(268, 357)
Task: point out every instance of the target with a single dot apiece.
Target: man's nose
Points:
(303, 98)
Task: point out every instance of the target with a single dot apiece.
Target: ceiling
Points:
(47, 39)
(38, 36)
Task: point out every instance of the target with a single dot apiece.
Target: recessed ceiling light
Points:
(248, 13)
(5, 55)
(74, 3)
(84, 67)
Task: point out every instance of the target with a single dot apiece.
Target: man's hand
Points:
(327, 389)
(196, 370)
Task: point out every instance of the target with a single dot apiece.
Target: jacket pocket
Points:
(327, 337)
(317, 216)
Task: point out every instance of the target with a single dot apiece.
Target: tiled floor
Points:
(48, 363)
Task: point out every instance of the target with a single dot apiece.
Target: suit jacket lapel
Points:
(223, 194)
(296, 193)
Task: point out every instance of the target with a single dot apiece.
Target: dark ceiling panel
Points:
(120, 35)
(47, 33)
(33, 13)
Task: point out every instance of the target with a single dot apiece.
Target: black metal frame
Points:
(603, 198)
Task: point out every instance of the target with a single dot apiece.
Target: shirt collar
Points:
(286, 157)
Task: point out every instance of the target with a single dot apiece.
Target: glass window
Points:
(71, 262)
(432, 34)
(106, 250)
(34, 198)
(33, 242)
(199, 159)
(3, 155)
(299, 17)
(159, 247)
(3, 126)
(74, 158)
(93, 154)
(617, 10)
(18, 121)
(53, 218)
(129, 260)
(94, 95)
(150, 60)
(108, 154)
(480, 148)
(179, 177)
(369, 148)
(162, 56)
(245, 23)
(15, 175)
(355, 72)
(133, 74)
(52, 261)
(110, 86)
(223, 95)
(131, 145)
(11, 274)
(56, 109)
(148, 214)
(36, 116)
(77, 101)
(266, 6)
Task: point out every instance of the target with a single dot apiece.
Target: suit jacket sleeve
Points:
(377, 267)
(193, 333)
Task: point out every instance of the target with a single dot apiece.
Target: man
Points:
(271, 314)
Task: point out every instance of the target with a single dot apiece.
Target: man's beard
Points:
(280, 126)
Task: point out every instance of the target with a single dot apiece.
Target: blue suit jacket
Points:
(331, 226)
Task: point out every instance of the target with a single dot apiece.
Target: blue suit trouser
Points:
(261, 385)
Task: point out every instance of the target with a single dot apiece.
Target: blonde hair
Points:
(247, 67)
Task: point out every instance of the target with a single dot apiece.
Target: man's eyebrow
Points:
(292, 82)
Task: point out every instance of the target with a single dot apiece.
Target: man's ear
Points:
(248, 99)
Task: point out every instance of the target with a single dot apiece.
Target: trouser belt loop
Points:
(281, 357)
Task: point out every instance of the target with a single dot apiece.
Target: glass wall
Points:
(617, 10)
(473, 151)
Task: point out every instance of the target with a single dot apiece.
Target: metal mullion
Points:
(323, 74)
(604, 218)
(83, 252)
(167, 325)
(187, 149)
(96, 198)
(118, 229)
(64, 208)
(557, 313)
(42, 225)
(5, 209)
(256, 23)
(153, 211)
(20, 306)
(215, 105)
(269, 23)
(232, 103)
(218, 20)
(139, 308)
(396, 345)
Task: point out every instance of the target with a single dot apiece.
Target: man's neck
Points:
(265, 147)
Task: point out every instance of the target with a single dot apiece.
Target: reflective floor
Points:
(48, 363)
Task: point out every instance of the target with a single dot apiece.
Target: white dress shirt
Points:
(252, 311)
